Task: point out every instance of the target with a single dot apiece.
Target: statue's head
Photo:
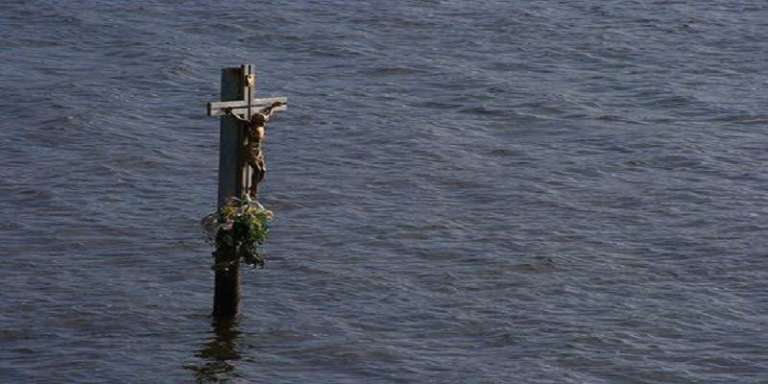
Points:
(258, 119)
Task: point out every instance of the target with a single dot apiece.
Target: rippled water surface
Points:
(465, 191)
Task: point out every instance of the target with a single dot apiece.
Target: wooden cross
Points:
(238, 88)
(238, 104)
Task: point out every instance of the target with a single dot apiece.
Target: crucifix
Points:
(243, 117)
(241, 160)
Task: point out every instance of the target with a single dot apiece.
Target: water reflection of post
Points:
(218, 353)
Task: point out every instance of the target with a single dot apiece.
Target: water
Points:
(466, 192)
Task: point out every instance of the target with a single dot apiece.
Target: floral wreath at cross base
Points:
(237, 231)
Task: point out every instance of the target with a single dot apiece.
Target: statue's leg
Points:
(258, 174)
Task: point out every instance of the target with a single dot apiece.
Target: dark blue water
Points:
(465, 192)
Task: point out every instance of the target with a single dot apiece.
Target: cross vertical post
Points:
(226, 296)
(238, 104)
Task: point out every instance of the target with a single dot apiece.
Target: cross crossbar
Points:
(240, 107)
(249, 104)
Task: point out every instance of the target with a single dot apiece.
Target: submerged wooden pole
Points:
(226, 297)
